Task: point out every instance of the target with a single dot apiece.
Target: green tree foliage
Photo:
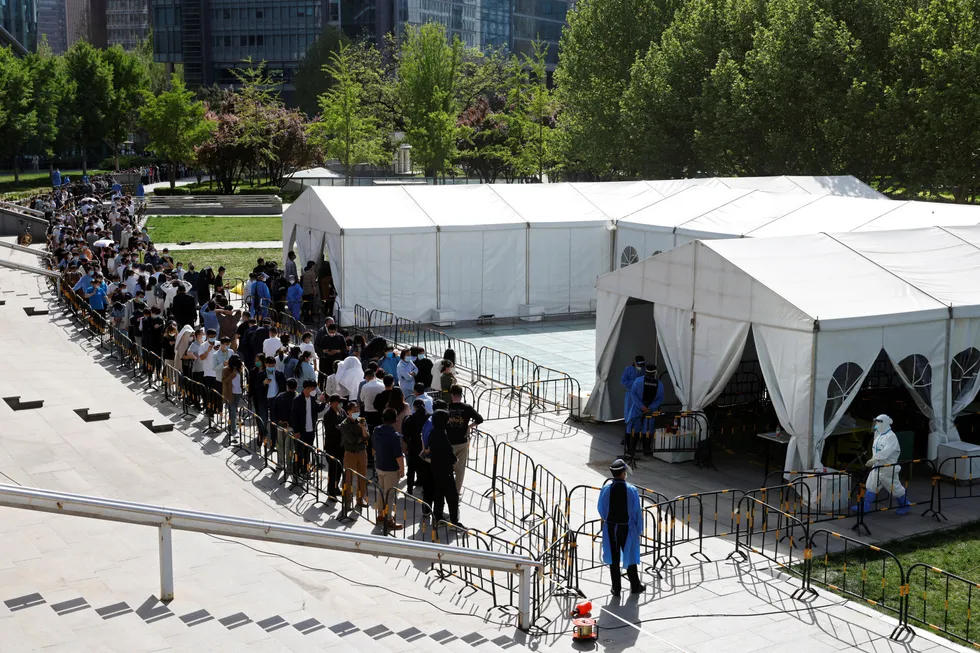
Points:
(87, 98)
(311, 78)
(176, 124)
(47, 82)
(428, 85)
(130, 81)
(346, 130)
(598, 49)
(17, 115)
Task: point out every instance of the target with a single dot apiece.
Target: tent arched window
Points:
(963, 372)
(628, 257)
(841, 384)
(918, 372)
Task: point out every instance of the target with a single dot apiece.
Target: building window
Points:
(841, 384)
(243, 40)
(251, 39)
(226, 14)
(259, 13)
(918, 372)
(227, 41)
(260, 40)
(628, 257)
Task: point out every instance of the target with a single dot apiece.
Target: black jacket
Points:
(184, 308)
(298, 419)
(281, 408)
(424, 375)
(259, 390)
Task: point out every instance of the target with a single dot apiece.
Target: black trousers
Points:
(303, 453)
(423, 477)
(618, 536)
(412, 461)
(632, 439)
(335, 467)
(444, 492)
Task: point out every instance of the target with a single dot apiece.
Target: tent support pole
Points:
(813, 395)
(527, 263)
(439, 268)
(694, 326)
(947, 399)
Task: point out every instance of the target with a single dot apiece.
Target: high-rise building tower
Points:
(18, 22)
(52, 24)
(127, 22)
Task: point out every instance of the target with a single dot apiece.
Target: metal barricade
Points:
(362, 319)
(557, 576)
(498, 403)
(367, 498)
(495, 367)
(682, 435)
(941, 601)
(759, 529)
(914, 475)
(214, 408)
(955, 478)
(414, 513)
(549, 492)
(523, 371)
(171, 383)
(481, 454)
(861, 571)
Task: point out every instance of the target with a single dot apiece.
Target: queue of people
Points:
(358, 403)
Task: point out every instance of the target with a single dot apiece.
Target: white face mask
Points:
(355, 416)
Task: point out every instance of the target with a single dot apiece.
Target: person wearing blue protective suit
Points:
(646, 395)
(622, 527)
(389, 363)
(294, 298)
(261, 297)
(630, 375)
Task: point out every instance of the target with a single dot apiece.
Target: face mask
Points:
(258, 364)
(270, 370)
(355, 416)
(410, 359)
(640, 366)
(211, 340)
(390, 354)
(420, 357)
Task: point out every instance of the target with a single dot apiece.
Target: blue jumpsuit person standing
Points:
(622, 526)
(645, 397)
(630, 375)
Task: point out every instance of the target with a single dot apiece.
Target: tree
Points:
(18, 118)
(428, 84)
(540, 114)
(226, 155)
(87, 99)
(598, 48)
(933, 102)
(291, 146)
(47, 82)
(157, 74)
(130, 81)
(484, 144)
(176, 124)
(311, 79)
(346, 131)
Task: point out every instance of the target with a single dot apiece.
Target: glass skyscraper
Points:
(18, 18)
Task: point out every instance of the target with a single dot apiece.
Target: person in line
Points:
(331, 347)
(389, 362)
(630, 374)
(332, 445)
(184, 307)
(309, 291)
(350, 375)
(232, 389)
(290, 267)
(442, 462)
(265, 385)
(462, 419)
(389, 463)
(294, 297)
(304, 369)
(280, 435)
(622, 528)
(396, 402)
(307, 411)
(424, 398)
(424, 366)
(645, 398)
(412, 428)
(261, 297)
(354, 436)
(405, 373)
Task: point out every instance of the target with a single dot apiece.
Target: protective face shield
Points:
(882, 423)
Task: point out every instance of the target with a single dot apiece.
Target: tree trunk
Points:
(115, 158)
(84, 161)
(16, 169)
(173, 175)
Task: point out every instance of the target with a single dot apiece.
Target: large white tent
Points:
(489, 249)
(820, 308)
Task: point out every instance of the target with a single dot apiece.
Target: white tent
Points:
(820, 308)
(480, 249)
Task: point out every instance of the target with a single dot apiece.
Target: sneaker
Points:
(639, 589)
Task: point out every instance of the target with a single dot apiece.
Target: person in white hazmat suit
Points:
(885, 450)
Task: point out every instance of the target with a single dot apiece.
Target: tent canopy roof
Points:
(315, 173)
(849, 280)
(657, 204)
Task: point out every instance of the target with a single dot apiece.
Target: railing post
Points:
(166, 563)
(524, 598)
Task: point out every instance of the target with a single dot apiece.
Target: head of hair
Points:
(455, 391)
(419, 388)
(291, 384)
(389, 416)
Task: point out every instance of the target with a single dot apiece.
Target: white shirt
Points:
(369, 391)
(209, 370)
(199, 350)
(308, 346)
(131, 285)
(236, 384)
(271, 345)
(309, 413)
(426, 400)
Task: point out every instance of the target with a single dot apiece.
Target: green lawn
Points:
(202, 229)
(934, 598)
(238, 262)
(33, 183)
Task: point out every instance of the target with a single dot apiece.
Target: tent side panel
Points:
(367, 271)
(549, 269)
(588, 257)
(504, 271)
(461, 272)
(413, 275)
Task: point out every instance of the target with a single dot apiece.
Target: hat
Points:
(263, 276)
(651, 367)
(292, 277)
(639, 360)
(619, 466)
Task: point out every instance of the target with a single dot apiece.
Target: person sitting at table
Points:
(646, 395)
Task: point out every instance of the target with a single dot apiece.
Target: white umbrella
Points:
(104, 242)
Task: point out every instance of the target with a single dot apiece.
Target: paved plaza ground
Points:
(68, 584)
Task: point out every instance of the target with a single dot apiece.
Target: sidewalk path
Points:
(255, 244)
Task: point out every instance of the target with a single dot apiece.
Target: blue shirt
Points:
(56, 178)
(84, 283)
(99, 300)
(387, 448)
(209, 318)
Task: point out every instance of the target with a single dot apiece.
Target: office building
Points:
(127, 22)
(18, 21)
(52, 24)
(212, 37)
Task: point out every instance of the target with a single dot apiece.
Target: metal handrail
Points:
(168, 519)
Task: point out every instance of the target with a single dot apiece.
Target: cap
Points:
(651, 367)
(618, 466)
(640, 359)
(292, 277)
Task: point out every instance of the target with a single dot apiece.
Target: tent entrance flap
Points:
(637, 337)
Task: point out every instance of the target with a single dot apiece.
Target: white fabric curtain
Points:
(928, 341)
(675, 339)
(844, 359)
(786, 359)
(718, 346)
(964, 336)
(304, 243)
(610, 309)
